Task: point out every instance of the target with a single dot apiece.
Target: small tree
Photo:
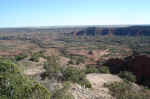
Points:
(52, 67)
(76, 76)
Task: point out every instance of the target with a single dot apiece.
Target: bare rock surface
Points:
(34, 68)
(98, 91)
(98, 81)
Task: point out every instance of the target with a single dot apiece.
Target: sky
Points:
(32, 13)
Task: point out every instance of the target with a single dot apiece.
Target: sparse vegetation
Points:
(122, 90)
(104, 69)
(77, 76)
(91, 69)
(20, 57)
(36, 56)
(52, 68)
(63, 93)
(76, 59)
(14, 85)
(127, 76)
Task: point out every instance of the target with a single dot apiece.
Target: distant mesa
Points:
(119, 31)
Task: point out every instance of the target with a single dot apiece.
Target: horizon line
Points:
(61, 26)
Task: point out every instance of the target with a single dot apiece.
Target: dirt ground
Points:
(98, 81)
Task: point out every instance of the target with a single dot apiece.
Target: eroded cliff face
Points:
(119, 31)
(138, 64)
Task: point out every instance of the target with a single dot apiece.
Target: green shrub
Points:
(79, 60)
(20, 57)
(52, 68)
(76, 76)
(94, 69)
(104, 69)
(63, 93)
(14, 85)
(122, 90)
(85, 83)
(127, 76)
(73, 74)
(72, 61)
(91, 69)
(36, 56)
(76, 59)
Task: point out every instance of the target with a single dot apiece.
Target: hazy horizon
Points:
(63, 26)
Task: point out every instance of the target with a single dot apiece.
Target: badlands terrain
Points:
(87, 62)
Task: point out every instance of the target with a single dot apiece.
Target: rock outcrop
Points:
(98, 91)
(140, 65)
(137, 64)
